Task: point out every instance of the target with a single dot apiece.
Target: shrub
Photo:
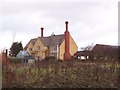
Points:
(70, 74)
(74, 57)
(50, 58)
(15, 60)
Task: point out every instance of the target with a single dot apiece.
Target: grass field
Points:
(73, 74)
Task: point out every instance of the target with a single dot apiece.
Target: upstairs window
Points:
(30, 49)
(38, 47)
(54, 48)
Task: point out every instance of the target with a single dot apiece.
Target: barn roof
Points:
(105, 47)
(98, 49)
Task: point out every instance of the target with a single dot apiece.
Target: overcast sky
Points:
(90, 21)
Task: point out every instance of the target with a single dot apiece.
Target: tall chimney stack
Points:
(67, 55)
(42, 31)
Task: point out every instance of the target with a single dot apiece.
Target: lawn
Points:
(73, 74)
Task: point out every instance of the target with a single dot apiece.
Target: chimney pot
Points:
(66, 22)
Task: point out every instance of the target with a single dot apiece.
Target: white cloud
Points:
(60, 0)
(6, 39)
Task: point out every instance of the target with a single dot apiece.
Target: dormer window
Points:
(30, 49)
(38, 47)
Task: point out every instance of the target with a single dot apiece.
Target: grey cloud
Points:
(86, 19)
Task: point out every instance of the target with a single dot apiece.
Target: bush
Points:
(15, 60)
(74, 57)
(50, 58)
(72, 74)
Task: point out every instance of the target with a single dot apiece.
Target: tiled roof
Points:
(48, 41)
(99, 49)
(106, 47)
(105, 50)
(31, 41)
(52, 40)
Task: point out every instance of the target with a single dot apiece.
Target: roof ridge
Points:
(57, 39)
(50, 36)
(103, 45)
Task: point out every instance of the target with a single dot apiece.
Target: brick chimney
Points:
(42, 31)
(67, 55)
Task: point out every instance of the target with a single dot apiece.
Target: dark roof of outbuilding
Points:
(82, 53)
(98, 49)
(105, 47)
(105, 50)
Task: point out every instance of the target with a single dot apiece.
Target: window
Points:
(38, 47)
(30, 49)
(55, 55)
(54, 48)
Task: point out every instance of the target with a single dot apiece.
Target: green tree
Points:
(15, 48)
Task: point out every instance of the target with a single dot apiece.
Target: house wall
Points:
(41, 52)
(62, 50)
(73, 48)
(29, 46)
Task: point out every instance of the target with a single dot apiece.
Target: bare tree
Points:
(88, 48)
